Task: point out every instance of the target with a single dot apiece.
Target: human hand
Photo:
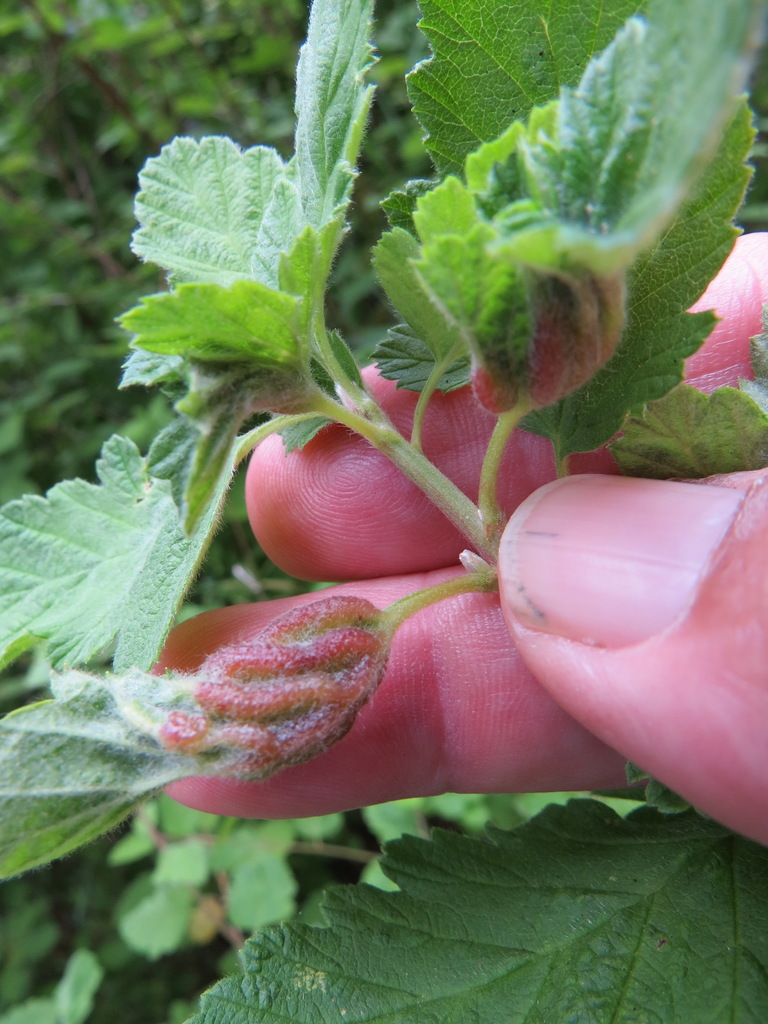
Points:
(673, 570)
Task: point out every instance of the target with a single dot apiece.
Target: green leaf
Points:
(158, 923)
(74, 993)
(74, 767)
(400, 204)
(392, 260)
(245, 323)
(656, 793)
(247, 841)
(150, 368)
(246, 353)
(171, 455)
(32, 1011)
(183, 863)
(320, 828)
(448, 209)
(135, 846)
(209, 211)
(178, 821)
(91, 565)
(344, 357)
(404, 358)
(304, 269)
(691, 435)
(608, 165)
(493, 64)
(398, 817)
(331, 105)
(262, 890)
(579, 915)
(217, 409)
(659, 334)
(571, 199)
(296, 435)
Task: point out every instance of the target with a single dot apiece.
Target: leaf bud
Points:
(574, 326)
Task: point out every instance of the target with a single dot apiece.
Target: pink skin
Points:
(459, 708)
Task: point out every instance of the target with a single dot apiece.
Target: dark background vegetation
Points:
(88, 90)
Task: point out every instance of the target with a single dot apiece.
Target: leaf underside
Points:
(690, 435)
(406, 359)
(74, 767)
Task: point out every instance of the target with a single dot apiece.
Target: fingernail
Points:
(610, 560)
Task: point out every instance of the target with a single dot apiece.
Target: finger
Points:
(456, 711)
(340, 510)
(641, 606)
(737, 296)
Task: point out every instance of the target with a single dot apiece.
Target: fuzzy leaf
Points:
(245, 323)
(429, 321)
(404, 358)
(331, 105)
(299, 434)
(150, 368)
(211, 212)
(492, 64)
(609, 164)
(171, 455)
(400, 204)
(74, 767)
(578, 915)
(345, 358)
(659, 334)
(206, 208)
(244, 351)
(90, 565)
(690, 435)
(217, 405)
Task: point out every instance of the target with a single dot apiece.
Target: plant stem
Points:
(438, 488)
(421, 405)
(488, 502)
(472, 582)
(441, 365)
(248, 442)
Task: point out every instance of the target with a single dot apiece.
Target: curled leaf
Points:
(287, 694)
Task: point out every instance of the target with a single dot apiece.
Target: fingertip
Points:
(737, 296)
(690, 703)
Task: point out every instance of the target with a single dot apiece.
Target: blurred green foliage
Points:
(88, 90)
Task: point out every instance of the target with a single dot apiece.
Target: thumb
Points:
(642, 606)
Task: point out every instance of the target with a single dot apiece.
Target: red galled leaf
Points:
(290, 692)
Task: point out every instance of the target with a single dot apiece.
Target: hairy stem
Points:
(490, 510)
(441, 365)
(376, 428)
(471, 582)
(247, 442)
